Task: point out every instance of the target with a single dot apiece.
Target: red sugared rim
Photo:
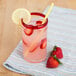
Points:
(35, 27)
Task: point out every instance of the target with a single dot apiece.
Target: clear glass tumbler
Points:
(34, 38)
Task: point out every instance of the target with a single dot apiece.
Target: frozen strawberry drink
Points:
(34, 38)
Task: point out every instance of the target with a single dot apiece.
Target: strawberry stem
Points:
(54, 49)
(57, 59)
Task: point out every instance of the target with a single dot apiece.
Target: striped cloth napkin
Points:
(61, 32)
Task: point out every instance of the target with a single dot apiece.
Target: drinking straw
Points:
(34, 43)
(48, 12)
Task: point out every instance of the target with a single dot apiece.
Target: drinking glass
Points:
(34, 38)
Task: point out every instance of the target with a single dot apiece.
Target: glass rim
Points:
(36, 27)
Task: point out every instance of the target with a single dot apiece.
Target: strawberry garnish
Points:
(28, 31)
(25, 43)
(38, 22)
(35, 47)
(58, 52)
(43, 43)
(53, 62)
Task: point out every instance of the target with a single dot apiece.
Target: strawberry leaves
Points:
(57, 59)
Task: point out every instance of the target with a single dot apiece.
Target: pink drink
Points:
(31, 34)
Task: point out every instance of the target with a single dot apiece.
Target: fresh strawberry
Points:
(53, 62)
(43, 43)
(58, 52)
(28, 31)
